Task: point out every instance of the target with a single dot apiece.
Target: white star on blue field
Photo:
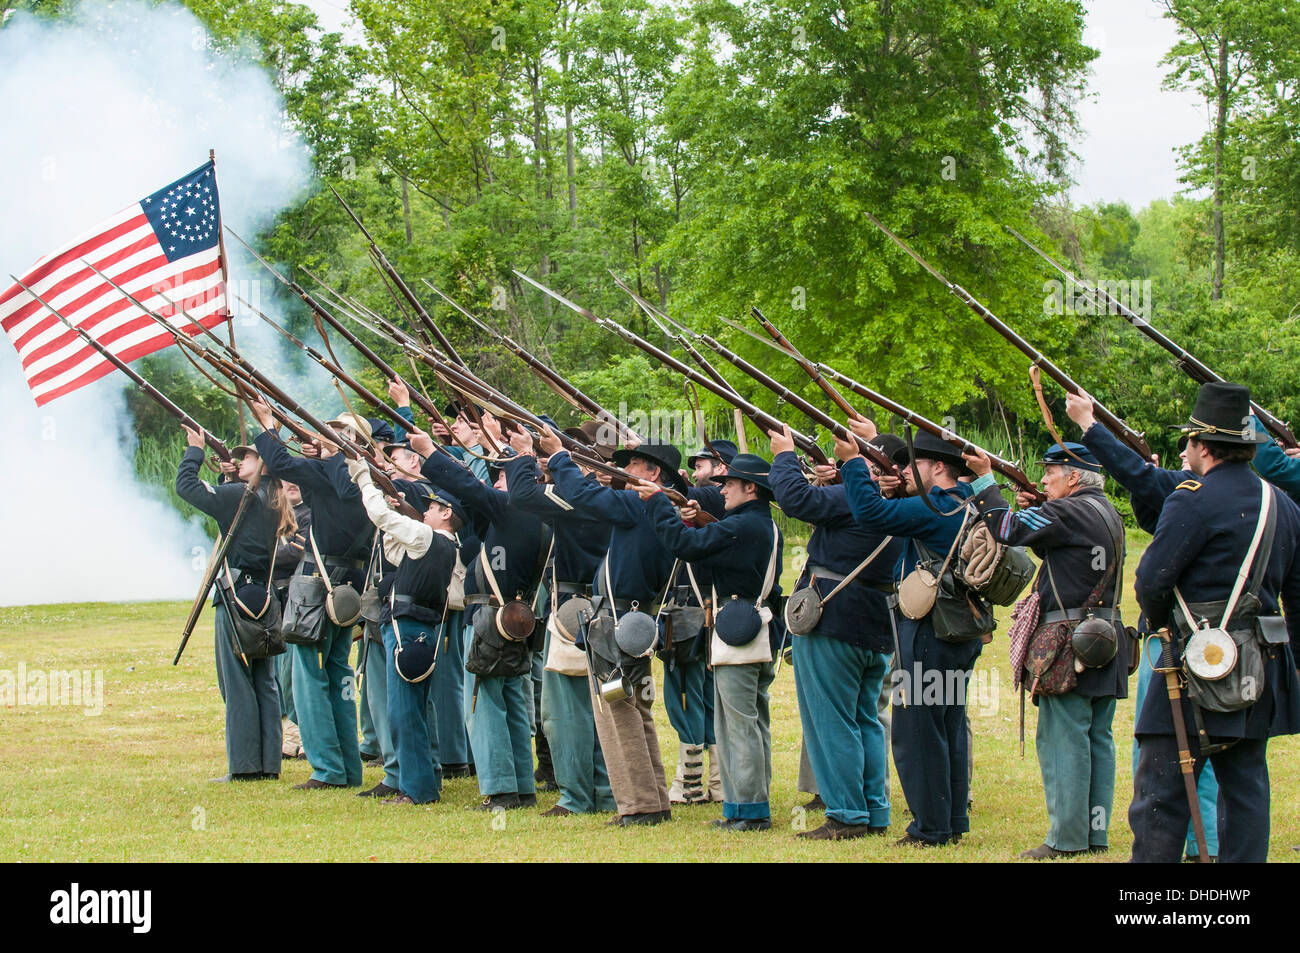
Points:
(184, 215)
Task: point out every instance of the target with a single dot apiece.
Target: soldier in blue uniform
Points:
(688, 680)
(1202, 543)
(638, 568)
(743, 551)
(1148, 485)
(513, 555)
(1080, 538)
(448, 691)
(323, 698)
(930, 740)
(253, 734)
(413, 600)
(567, 720)
(841, 664)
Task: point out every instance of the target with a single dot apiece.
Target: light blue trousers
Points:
(448, 692)
(743, 727)
(570, 729)
(325, 697)
(838, 686)
(688, 700)
(414, 724)
(374, 665)
(496, 716)
(1076, 755)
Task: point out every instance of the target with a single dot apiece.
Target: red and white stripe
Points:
(56, 360)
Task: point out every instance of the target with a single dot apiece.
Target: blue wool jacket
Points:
(580, 538)
(639, 564)
(1203, 535)
(858, 613)
(511, 537)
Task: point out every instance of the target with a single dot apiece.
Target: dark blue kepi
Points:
(1071, 455)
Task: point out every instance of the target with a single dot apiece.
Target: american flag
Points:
(166, 246)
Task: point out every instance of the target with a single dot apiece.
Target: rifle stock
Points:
(1005, 467)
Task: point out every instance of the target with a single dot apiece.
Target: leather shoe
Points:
(400, 799)
(648, 819)
(247, 776)
(745, 824)
(528, 800)
(837, 830)
(816, 804)
(455, 769)
(506, 802)
(312, 784)
(1045, 852)
(908, 840)
(558, 811)
(380, 790)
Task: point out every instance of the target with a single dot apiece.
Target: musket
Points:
(1113, 423)
(1184, 359)
(317, 308)
(365, 393)
(808, 367)
(550, 377)
(479, 391)
(407, 293)
(502, 406)
(869, 450)
(1005, 467)
(682, 338)
(258, 381)
(679, 337)
(242, 374)
(782, 392)
(217, 446)
(765, 421)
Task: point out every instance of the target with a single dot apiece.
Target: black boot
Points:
(545, 773)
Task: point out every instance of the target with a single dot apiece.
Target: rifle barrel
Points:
(1196, 369)
(219, 448)
(765, 421)
(1036, 357)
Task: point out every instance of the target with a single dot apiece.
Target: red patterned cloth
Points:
(1024, 620)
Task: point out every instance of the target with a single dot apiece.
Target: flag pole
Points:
(225, 287)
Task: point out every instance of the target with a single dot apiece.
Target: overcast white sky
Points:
(1132, 125)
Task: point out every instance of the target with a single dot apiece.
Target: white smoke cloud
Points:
(100, 110)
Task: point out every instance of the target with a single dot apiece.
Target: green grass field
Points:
(130, 784)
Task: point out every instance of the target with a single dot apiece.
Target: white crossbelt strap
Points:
(1265, 504)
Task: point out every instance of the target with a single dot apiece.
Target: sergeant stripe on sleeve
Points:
(1032, 519)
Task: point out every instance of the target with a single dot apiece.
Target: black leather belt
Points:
(821, 572)
(333, 562)
(479, 599)
(577, 588)
(1074, 615)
